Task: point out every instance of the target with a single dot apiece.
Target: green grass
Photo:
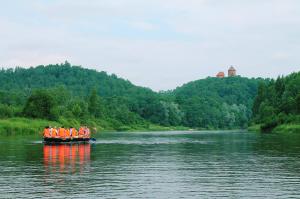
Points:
(26, 126)
(254, 128)
(287, 128)
(283, 128)
(23, 126)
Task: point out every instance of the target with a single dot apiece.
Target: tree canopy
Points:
(278, 102)
(72, 92)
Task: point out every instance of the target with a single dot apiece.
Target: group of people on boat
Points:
(66, 133)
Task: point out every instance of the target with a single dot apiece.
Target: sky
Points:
(160, 44)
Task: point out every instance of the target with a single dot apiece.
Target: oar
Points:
(93, 139)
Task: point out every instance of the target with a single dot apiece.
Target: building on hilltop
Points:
(220, 75)
(231, 72)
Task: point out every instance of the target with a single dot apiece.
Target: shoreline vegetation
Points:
(72, 96)
(276, 108)
(27, 126)
(282, 128)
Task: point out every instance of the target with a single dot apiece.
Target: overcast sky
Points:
(159, 44)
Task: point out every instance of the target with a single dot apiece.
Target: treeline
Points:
(58, 104)
(278, 102)
(76, 95)
(217, 102)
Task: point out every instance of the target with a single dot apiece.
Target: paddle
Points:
(93, 139)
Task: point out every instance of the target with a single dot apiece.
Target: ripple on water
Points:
(154, 165)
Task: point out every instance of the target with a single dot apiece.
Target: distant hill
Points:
(206, 103)
(217, 102)
(79, 81)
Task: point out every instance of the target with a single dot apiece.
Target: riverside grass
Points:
(23, 126)
(283, 128)
(287, 128)
(26, 126)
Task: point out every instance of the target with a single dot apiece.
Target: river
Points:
(153, 165)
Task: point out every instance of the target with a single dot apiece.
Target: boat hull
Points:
(67, 140)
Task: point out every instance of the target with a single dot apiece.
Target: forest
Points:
(277, 104)
(63, 94)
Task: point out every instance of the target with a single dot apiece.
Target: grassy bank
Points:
(287, 128)
(283, 128)
(25, 126)
(254, 128)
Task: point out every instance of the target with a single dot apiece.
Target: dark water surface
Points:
(153, 165)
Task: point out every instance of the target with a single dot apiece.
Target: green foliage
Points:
(41, 105)
(217, 103)
(24, 126)
(94, 105)
(74, 95)
(278, 103)
(287, 128)
(6, 111)
(297, 102)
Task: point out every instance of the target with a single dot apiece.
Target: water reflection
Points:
(66, 157)
(154, 165)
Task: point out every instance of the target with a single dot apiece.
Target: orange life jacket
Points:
(47, 133)
(73, 132)
(81, 132)
(67, 133)
(54, 132)
(61, 132)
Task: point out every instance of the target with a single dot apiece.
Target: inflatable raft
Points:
(67, 140)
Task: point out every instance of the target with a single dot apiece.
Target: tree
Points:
(278, 102)
(41, 105)
(5, 111)
(94, 104)
(259, 98)
(298, 103)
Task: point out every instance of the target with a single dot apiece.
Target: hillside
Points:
(217, 102)
(75, 95)
(71, 89)
(77, 80)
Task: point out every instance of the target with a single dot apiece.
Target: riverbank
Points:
(26, 126)
(283, 128)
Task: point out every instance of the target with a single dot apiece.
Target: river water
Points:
(153, 165)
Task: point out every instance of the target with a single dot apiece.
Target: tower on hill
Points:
(231, 72)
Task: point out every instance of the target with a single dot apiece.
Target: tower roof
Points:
(220, 74)
(231, 68)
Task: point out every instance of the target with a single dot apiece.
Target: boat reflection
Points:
(66, 157)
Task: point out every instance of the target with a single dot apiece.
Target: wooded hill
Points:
(63, 92)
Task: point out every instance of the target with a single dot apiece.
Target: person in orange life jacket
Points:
(86, 132)
(54, 132)
(67, 133)
(73, 132)
(47, 132)
(50, 131)
(81, 132)
(61, 132)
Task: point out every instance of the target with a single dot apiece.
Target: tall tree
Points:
(41, 105)
(94, 104)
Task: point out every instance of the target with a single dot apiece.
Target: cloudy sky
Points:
(159, 44)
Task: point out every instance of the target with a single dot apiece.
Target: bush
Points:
(41, 105)
(269, 125)
(5, 111)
